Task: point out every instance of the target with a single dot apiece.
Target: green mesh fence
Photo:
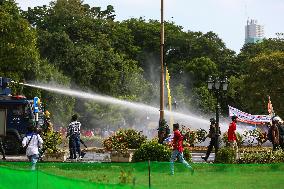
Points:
(15, 175)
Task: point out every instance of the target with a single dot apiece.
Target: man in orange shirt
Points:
(178, 149)
(232, 138)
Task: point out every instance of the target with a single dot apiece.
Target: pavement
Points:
(96, 157)
(196, 157)
(15, 158)
(105, 157)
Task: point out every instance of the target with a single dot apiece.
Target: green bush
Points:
(51, 139)
(201, 134)
(225, 155)
(240, 139)
(251, 136)
(192, 137)
(124, 139)
(152, 150)
(262, 157)
(95, 140)
(187, 155)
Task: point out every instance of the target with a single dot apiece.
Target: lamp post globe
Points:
(217, 85)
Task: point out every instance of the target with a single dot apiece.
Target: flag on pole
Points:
(270, 107)
(169, 96)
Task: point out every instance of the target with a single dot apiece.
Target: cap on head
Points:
(212, 120)
(74, 117)
(276, 119)
(234, 117)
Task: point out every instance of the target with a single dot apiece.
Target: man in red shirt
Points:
(232, 138)
(178, 149)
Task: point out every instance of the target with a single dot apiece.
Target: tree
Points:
(200, 68)
(95, 52)
(60, 106)
(203, 100)
(19, 57)
(21, 61)
(251, 50)
(265, 77)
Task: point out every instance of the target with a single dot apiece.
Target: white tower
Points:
(254, 32)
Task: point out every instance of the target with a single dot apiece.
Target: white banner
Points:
(248, 118)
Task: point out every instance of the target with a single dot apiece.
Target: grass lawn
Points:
(136, 174)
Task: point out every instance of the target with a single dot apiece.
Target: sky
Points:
(226, 18)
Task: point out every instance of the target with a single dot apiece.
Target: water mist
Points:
(192, 121)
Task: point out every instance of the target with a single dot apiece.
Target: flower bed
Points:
(55, 157)
(126, 156)
(262, 157)
(92, 141)
(198, 148)
(121, 142)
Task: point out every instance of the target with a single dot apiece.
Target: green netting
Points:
(14, 175)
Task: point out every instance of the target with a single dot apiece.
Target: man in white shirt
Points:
(32, 141)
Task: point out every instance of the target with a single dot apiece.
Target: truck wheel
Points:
(11, 145)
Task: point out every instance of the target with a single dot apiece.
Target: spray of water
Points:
(186, 119)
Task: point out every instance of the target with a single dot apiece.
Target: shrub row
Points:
(262, 157)
(227, 156)
(156, 152)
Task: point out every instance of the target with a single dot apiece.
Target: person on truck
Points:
(31, 142)
(2, 149)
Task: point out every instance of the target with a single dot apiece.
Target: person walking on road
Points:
(274, 133)
(32, 142)
(232, 137)
(178, 149)
(214, 133)
(280, 127)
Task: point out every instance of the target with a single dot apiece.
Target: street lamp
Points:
(162, 79)
(217, 85)
(163, 130)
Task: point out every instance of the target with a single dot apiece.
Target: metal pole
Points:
(217, 106)
(36, 176)
(162, 62)
(149, 173)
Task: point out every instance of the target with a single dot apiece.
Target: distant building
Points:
(254, 32)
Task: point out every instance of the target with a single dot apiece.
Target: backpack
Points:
(269, 134)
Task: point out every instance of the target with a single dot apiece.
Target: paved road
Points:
(196, 157)
(105, 157)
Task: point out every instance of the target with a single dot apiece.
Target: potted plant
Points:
(123, 144)
(51, 140)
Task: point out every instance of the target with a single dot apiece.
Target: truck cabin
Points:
(19, 113)
(16, 114)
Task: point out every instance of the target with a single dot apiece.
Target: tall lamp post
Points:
(163, 129)
(162, 80)
(217, 85)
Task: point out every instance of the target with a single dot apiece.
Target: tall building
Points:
(254, 32)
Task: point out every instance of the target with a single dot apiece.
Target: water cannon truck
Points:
(16, 114)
